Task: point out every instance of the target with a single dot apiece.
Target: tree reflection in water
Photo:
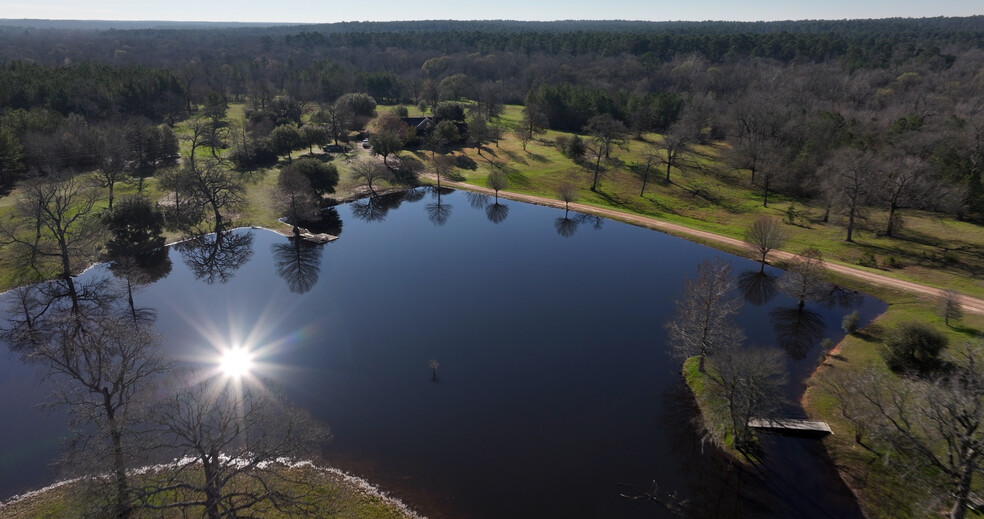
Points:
(375, 208)
(565, 226)
(477, 200)
(216, 257)
(758, 287)
(439, 212)
(135, 271)
(797, 329)
(497, 213)
(298, 262)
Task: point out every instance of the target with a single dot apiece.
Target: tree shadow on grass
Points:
(967, 330)
(465, 162)
(516, 157)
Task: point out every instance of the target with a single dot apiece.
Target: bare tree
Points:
(56, 218)
(443, 166)
(99, 364)
(849, 180)
(904, 184)
(652, 159)
(532, 124)
(113, 167)
(843, 386)
(938, 422)
(606, 132)
(765, 234)
(677, 143)
(806, 277)
(229, 437)
(568, 193)
(703, 323)
(949, 306)
(370, 171)
(751, 381)
(216, 187)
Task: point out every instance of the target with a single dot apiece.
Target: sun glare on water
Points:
(236, 362)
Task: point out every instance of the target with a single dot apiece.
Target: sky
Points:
(327, 11)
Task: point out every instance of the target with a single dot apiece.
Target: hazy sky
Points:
(323, 11)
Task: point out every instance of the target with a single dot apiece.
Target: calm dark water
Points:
(555, 395)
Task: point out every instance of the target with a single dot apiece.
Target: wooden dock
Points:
(790, 426)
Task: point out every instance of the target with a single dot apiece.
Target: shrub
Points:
(914, 347)
(791, 215)
(869, 260)
(575, 148)
(850, 322)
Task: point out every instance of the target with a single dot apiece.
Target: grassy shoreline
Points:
(349, 497)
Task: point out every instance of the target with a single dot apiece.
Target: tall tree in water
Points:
(703, 324)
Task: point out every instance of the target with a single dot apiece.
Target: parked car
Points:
(365, 143)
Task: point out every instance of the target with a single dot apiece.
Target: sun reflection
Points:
(236, 362)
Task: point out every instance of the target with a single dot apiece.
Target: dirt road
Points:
(970, 304)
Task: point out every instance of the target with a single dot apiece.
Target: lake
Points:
(555, 395)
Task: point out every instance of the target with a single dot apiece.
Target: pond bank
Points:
(352, 498)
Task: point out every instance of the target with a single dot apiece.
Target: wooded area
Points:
(845, 116)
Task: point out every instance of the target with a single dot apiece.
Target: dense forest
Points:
(788, 98)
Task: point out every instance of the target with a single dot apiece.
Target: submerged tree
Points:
(703, 323)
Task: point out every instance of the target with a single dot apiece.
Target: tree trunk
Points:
(594, 183)
(962, 492)
(645, 178)
(890, 230)
(123, 509)
(765, 192)
(212, 493)
(850, 225)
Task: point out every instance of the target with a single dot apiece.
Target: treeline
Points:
(786, 97)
